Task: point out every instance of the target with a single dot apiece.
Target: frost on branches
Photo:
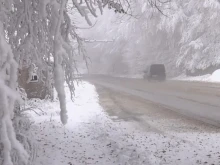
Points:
(137, 41)
(198, 24)
(184, 35)
(8, 96)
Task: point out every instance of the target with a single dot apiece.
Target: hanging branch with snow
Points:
(8, 96)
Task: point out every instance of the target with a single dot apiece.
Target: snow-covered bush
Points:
(22, 126)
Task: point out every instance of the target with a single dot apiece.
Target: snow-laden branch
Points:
(8, 96)
(59, 52)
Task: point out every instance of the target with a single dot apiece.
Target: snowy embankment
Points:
(89, 137)
(92, 137)
(214, 77)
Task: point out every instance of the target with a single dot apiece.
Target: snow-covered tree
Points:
(198, 25)
(137, 39)
(184, 35)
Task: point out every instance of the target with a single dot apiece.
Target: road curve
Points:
(196, 100)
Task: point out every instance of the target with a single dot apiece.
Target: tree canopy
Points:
(183, 35)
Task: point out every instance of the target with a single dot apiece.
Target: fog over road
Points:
(197, 100)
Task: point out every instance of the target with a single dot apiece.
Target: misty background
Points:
(184, 37)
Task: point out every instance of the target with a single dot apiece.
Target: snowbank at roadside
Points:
(205, 78)
(89, 137)
(214, 77)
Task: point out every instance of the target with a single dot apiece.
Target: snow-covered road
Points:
(110, 128)
(193, 99)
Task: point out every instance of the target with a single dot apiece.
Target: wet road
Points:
(196, 100)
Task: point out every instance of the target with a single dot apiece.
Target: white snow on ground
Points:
(92, 137)
(205, 78)
(214, 77)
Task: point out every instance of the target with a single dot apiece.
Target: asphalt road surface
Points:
(196, 100)
(178, 121)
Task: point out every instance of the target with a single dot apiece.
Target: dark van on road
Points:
(155, 72)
